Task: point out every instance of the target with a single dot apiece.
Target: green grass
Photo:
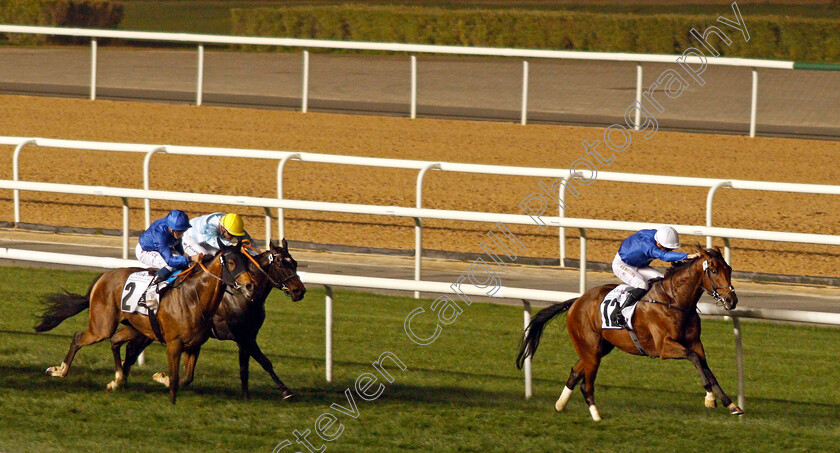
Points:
(214, 17)
(461, 393)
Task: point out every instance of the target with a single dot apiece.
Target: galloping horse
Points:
(184, 316)
(666, 324)
(240, 318)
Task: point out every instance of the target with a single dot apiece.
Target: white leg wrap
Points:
(594, 411)
(710, 400)
(564, 398)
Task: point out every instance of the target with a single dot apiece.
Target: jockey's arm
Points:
(662, 255)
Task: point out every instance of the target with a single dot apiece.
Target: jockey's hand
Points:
(691, 256)
(195, 258)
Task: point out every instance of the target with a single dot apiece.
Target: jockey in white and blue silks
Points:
(632, 262)
(208, 231)
(160, 245)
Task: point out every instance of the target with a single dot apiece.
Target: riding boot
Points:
(633, 296)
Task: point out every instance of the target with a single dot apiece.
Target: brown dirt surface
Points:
(666, 153)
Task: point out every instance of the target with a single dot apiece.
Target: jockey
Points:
(208, 231)
(159, 246)
(632, 262)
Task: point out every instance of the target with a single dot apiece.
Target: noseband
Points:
(714, 292)
(282, 285)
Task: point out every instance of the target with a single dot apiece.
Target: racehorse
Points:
(182, 322)
(239, 318)
(666, 324)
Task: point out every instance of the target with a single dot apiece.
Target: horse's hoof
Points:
(735, 410)
(596, 416)
(112, 386)
(710, 401)
(161, 378)
(286, 394)
(57, 371)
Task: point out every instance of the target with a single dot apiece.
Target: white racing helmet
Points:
(667, 237)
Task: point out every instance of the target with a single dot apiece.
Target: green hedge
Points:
(63, 13)
(774, 37)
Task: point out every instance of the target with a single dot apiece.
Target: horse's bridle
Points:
(714, 292)
(282, 285)
(228, 277)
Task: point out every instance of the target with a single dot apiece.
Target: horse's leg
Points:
(190, 359)
(80, 340)
(132, 351)
(674, 350)
(697, 356)
(257, 354)
(244, 358)
(574, 377)
(589, 367)
(173, 352)
(123, 335)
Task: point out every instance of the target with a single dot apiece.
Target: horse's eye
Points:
(714, 271)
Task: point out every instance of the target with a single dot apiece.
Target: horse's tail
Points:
(531, 339)
(60, 306)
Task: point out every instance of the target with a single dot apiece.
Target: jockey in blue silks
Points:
(632, 262)
(160, 245)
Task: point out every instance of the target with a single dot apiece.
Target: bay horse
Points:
(666, 324)
(239, 318)
(184, 314)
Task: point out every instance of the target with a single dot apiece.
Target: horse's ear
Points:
(273, 244)
(699, 248)
(285, 245)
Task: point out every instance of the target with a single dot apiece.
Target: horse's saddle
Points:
(610, 304)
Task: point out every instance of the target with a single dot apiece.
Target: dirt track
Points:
(666, 153)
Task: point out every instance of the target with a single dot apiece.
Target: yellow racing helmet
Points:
(233, 224)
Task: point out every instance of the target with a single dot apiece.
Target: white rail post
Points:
(739, 361)
(125, 228)
(754, 101)
(582, 259)
(267, 228)
(16, 175)
(562, 213)
(526, 316)
(413, 110)
(638, 94)
(305, 95)
(726, 252)
(328, 300)
(709, 205)
(199, 84)
(146, 163)
(93, 69)
(418, 226)
(281, 220)
(524, 93)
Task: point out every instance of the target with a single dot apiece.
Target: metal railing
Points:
(524, 294)
(200, 40)
(283, 157)
(417, 214)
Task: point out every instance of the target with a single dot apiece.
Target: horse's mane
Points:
(677, 265)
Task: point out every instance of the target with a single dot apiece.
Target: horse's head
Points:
(717, 277)
(235, 272)
(282, 270)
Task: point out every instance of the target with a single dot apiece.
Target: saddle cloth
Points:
(136, 291)
(611, 302)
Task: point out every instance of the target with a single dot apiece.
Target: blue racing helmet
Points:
(177, 220)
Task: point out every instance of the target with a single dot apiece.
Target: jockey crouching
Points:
(208, 231)
(160, 245)
(632, 262)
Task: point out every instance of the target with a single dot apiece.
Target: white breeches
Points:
(150, 259)
(193, 248)
(637, 277)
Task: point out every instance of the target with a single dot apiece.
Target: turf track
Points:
(461, 393)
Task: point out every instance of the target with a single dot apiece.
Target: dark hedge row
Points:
(63, 13)
(770, 36)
